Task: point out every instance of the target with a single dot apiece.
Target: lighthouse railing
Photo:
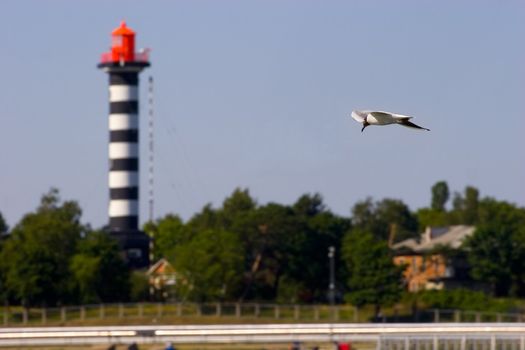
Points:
(141, 56)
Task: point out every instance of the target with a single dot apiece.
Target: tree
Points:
(309, 205)
(496, 251)
(431, 217)
(471, 205)
(3, 231)
(465, 208)
(139, 286)
(373, 277)
(272, 236)
(209, 266)
(35, 258)
(387, 219)
(306, 270)
(239, 203)
(167, 233)
(3, 225)
(208, 218)
(440, 195)
(99, 271)
(491, 258)
(397, 218)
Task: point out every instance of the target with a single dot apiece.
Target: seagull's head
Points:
(361, 117)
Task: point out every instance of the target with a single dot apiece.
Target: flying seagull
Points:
(383, 118)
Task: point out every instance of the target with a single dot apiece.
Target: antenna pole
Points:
(150, 175)
(151, 148)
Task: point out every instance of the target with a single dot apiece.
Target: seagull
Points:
(383, 118)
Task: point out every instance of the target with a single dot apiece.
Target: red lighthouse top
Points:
(123, 48)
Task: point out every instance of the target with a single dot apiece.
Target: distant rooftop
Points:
(452, 236)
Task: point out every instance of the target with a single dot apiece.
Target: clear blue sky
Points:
(257, 94)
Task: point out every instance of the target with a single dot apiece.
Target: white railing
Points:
(392, 336)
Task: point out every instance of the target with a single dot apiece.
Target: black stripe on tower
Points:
(123, 164)
(124, 223)
(124, 78)
(128, 135)
(124, 107)
(124, 193)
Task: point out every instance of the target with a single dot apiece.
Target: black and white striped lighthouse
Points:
(123, 65)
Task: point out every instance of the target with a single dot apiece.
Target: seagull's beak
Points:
(363, 129)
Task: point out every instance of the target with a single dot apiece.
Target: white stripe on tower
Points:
(123, 121)
(118, 93)
(123, 151)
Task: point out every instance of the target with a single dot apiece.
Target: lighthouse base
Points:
(134, 246)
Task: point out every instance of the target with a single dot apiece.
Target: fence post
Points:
(179, 309)
(297, 312)
(257, 310)
(63, 315)
(463, 343)
(356, 314)
(498, 317)
(457, 316)
(6, 315)
(44, 315)
(478, 317)
(316, 312)
(159, 310)
(337, 309)
(218, 310)
(141, 310)
(82, 313)
(24, 316)
(493, 342)
(436, 315)
(276, 311)
(198, 308)
(101, 311)
(120, 310)
(396, 314)
(237, 310)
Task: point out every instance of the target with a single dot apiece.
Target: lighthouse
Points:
(123, 66)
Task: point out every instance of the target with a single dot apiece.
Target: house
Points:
(433, 261)
(162, 279)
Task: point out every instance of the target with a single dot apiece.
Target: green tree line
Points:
(244, 250)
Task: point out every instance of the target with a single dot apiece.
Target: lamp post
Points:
(331, 286)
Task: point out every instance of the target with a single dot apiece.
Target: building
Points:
(433, 261)
(123, 66)
(162, 279)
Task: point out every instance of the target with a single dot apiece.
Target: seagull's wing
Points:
(383, 117)
(358, 116)
(400, 116)
(409, 124)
